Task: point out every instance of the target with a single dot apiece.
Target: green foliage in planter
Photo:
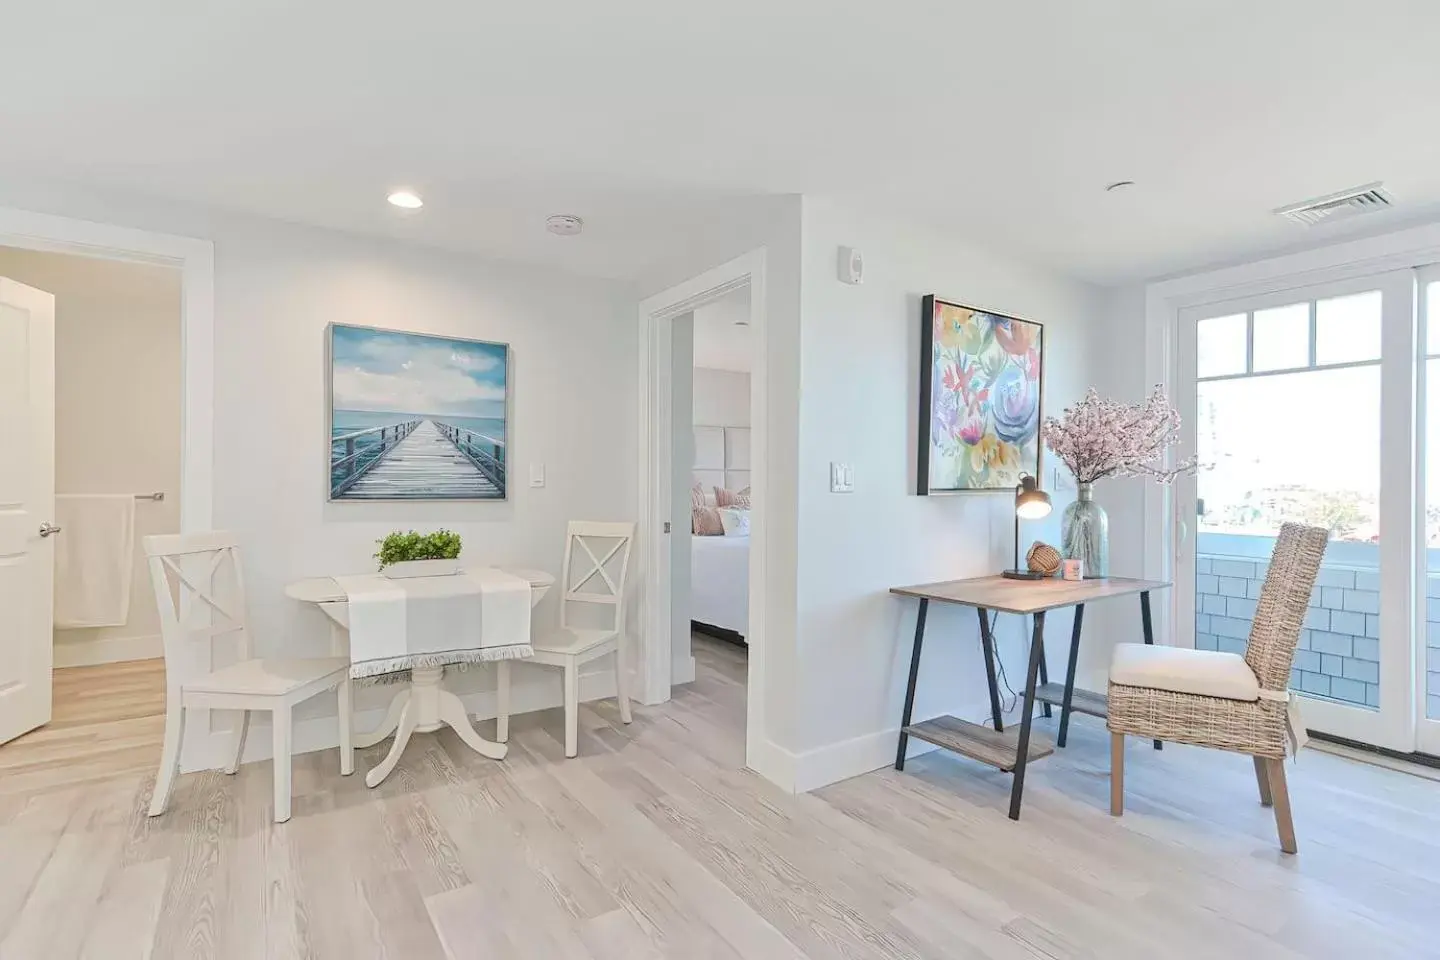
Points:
(440, 545)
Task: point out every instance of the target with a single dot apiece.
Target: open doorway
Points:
(117, 442)
(710, 582)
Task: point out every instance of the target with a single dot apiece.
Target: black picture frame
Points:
(925, 411)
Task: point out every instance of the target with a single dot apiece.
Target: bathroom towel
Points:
(94, 560)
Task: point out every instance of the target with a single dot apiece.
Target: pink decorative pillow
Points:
(697, 495)
(705, 522)
(729, 498)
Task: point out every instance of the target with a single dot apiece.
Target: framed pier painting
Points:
(980, 393)
(416, 417)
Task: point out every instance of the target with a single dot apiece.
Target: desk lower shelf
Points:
(1081, 701)
(980, 743)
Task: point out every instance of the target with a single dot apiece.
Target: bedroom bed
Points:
(720, 565)
(720, 584)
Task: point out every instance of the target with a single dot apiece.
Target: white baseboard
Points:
(211, 750)
(771, 761)
(86, 653)
(834, 762)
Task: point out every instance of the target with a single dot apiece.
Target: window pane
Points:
(1347, 329)
(1282, 337)
(1432, 504)
(1294, 446)
(1220, 346)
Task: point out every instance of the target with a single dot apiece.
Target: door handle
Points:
(47, 529)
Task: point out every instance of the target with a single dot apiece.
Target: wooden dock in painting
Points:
(423, 459)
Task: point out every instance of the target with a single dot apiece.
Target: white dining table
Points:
(423, 705)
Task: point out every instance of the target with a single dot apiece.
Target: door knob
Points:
(46, 529)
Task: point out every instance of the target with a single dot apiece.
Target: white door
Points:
(27, 505)
(1300, 407)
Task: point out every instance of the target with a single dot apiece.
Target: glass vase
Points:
(1085, 533)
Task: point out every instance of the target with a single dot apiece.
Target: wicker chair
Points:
(1220, 700)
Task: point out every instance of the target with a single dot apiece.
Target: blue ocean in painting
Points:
(416, 417)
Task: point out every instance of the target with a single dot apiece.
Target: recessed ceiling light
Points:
(564, 225)
(1119, 185)
(406, 200)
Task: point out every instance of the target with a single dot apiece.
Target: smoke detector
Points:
(564, 225)
(1338, 206)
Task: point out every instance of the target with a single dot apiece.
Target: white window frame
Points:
(1165, 531)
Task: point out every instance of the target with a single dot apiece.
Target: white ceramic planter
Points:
(406, 569)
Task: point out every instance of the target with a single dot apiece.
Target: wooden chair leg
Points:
(1284, 825)
(240, 733)
(346, 697)
(169, 756)
(622, 687)
(502, 701)
(1262, 780)
(281, 742)
(1117, 774)
(572, 708)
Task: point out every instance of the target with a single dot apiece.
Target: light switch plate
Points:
(842, 477)
(537, 474)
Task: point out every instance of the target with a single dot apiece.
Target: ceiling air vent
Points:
(1337, 206)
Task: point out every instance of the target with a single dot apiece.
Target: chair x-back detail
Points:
(200, 593)
(595, 571)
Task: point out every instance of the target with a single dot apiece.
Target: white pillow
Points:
(735, 521)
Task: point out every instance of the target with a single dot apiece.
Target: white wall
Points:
(859, 368)
(117, 412)
(573, 361)
(721, 398)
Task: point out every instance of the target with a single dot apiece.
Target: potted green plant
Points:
(411, 554)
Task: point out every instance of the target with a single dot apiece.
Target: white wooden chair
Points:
(597, 560)
(200, 575)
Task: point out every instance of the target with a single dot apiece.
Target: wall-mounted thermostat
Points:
(852, 265)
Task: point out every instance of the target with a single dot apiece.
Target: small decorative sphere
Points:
(1043, 558)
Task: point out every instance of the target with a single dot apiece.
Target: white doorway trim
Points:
(195, 259)
(656, 471)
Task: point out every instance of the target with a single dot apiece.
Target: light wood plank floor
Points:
(107, 721)
(655, 844)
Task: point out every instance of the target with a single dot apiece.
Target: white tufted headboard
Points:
(722, 458)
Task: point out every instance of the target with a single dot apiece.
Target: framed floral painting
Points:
(980, 393)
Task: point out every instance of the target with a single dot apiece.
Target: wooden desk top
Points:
(1026, 596)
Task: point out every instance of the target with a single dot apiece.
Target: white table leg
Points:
(388, 725)
(502, 701)
(424, 707)
(452, 711)
(402, 736)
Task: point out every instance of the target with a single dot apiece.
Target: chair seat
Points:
(570, 640)
(1206, 673)
(267, 678)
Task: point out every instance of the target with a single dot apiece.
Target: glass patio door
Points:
(1427, 646)
(1302, 406)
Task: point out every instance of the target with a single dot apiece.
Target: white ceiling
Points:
(722, 338)
(653, 120)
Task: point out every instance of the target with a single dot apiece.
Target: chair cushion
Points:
(1207, 673)
(266, 678)
(570, 640)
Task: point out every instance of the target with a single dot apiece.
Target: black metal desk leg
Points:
(1022, 752)
(910, 688)
(987, 643)
(1070, 675)
(1149, 629)
(1044, 680)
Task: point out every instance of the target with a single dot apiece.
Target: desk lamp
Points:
(1031, 503)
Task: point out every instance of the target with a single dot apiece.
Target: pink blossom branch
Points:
(1098, 438)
